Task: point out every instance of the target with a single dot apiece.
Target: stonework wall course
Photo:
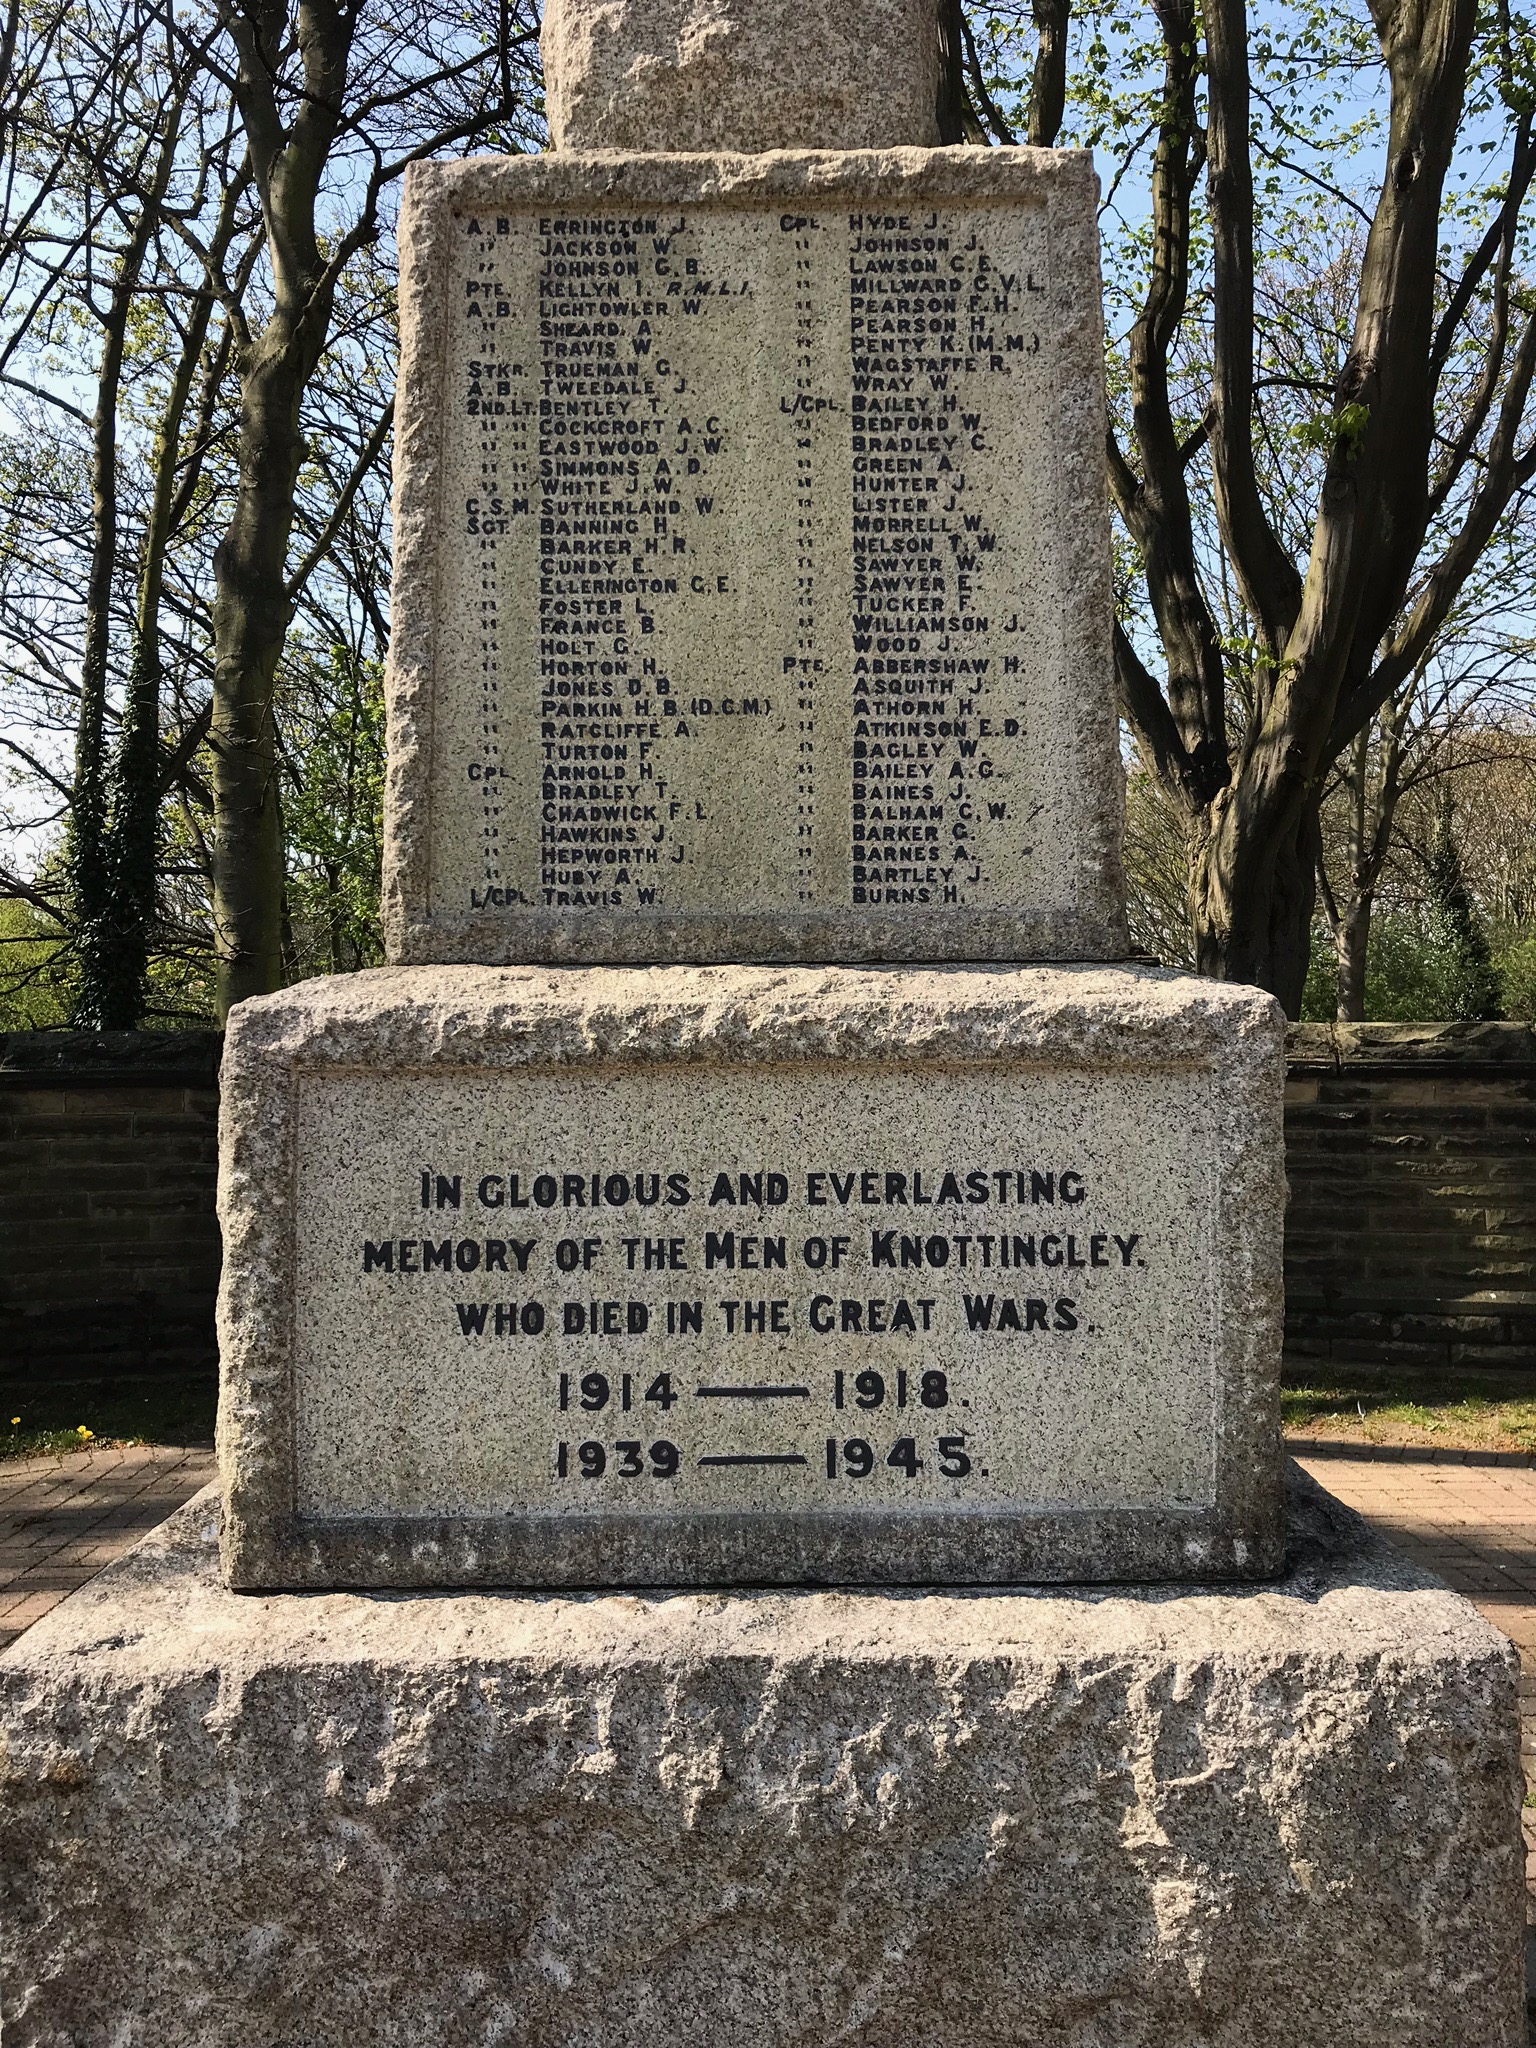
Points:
(1411, 1233)
(108, 1157)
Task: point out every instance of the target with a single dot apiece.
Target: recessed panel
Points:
(754, 1291)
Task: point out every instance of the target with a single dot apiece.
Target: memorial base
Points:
(1262, 1817)
(749, 1275)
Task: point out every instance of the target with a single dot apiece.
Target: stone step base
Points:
(1263, 1817)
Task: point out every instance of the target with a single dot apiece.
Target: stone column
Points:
(639, 75)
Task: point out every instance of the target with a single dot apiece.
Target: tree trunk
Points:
(252, 603)
(251, 612)
(1351, 941)
(1048, 88)
(1251, 902)
(120, 941)
(1329, 641)
(101, 1001)
(89, 885)
(123, 939)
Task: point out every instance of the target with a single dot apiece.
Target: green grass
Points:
(1489, 1411)
(47, 1421)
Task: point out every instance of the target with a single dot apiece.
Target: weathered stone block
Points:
(741, 74)
(1276, 1817)
(709, 1275)
(751, 578)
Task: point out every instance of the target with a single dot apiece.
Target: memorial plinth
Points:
(1266, 1817)
(761, 501)
(748, 1275)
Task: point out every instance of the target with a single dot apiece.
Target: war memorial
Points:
(752, 1507)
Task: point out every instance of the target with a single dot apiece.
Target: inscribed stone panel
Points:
(710, 1275)
(752, 595)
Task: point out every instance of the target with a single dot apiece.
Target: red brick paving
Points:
(63, 1519)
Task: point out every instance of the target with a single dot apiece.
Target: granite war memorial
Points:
(752, 1504)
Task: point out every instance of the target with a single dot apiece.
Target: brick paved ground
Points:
(62, 1519)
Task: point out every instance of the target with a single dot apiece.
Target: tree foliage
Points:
(1322, 335)
(196, 340)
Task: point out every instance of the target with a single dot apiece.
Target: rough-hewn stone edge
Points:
(111, 1059)
(897, 103)
(1063, 181)
(735, 178)
(1466, 1045)
(172, 1576)
(846, 937)
(253, 1316)
(1084, 1014)
(420, 399)
(153, 1703)
(1249, 1260)
(1083, 532)
(414, 1020)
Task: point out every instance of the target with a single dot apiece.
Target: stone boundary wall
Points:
(1411, 1150)
(109, 1251)
(1411, 1236)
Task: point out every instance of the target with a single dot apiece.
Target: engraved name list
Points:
(751, 593)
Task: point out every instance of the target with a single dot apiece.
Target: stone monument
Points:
(752, 605)
(716, 1276)
(707, 1200)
